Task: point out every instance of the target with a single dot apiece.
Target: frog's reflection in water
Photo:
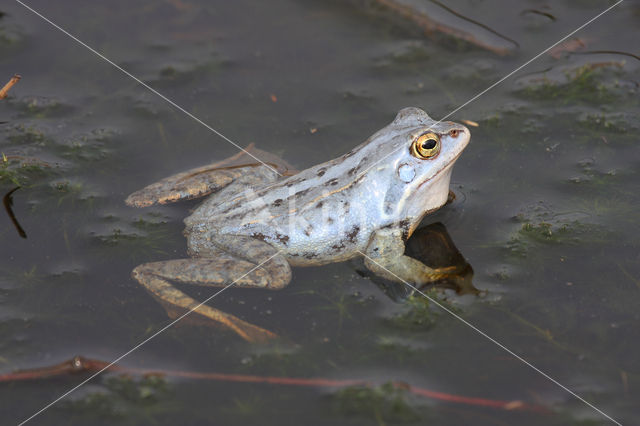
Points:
(433, 246)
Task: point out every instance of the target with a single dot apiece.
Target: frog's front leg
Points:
(384, 256)
(268, 269)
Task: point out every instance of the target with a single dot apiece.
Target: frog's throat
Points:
(428, 196)
(447, 170)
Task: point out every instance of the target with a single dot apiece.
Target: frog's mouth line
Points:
(448, 166)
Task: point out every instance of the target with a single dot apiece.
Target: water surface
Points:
(546, 210)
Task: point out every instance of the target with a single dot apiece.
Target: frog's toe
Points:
(254, 334)
(141, 199)
(210, 317)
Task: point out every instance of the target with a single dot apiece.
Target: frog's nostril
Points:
(454, 133)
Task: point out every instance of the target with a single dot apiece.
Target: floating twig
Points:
(611, 52)
(7, 200)
(80, 364)
(5, 90)
(430, 25)
(539, 12)
(470, 123)
(569, 46)
(473, 21)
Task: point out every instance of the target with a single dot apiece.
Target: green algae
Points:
(379, 404)
(419, 313)
(127, 400)
(589, 83)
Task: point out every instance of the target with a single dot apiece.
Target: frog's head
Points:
(420, 156)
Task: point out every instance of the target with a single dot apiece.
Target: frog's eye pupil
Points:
(426, 146)
(429, 144)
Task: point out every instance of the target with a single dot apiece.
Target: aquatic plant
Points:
(385, 403)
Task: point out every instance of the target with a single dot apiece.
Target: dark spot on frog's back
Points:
(321, 171)
(333, 181)
(308, 230)
(349, 154)
(351, 236)
(345, 207)
(234, 216)
(259, 236)
(294, 182)
(302, 193)
(299, 194)
(284, 239)
(277, 202)
(352, 171)
(319, 205)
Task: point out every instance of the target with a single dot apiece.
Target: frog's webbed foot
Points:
(204, 180)
(220, 271)
(385, 257)
(451, 197)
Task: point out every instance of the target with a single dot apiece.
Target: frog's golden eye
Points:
(426, 146)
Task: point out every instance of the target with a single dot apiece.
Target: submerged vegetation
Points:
(379, 404)
(418, 312)
(139, 240)
(21, 171)
(149, 397)
(541, 225)
(596, 83)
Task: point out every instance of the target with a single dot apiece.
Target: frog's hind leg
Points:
(204, 180)
(221, 271)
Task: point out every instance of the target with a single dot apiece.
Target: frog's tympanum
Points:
(259, 223)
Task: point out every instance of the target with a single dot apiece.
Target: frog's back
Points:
(314, 217)
(329, 212)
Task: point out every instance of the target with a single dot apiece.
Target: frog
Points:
(260, 217)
